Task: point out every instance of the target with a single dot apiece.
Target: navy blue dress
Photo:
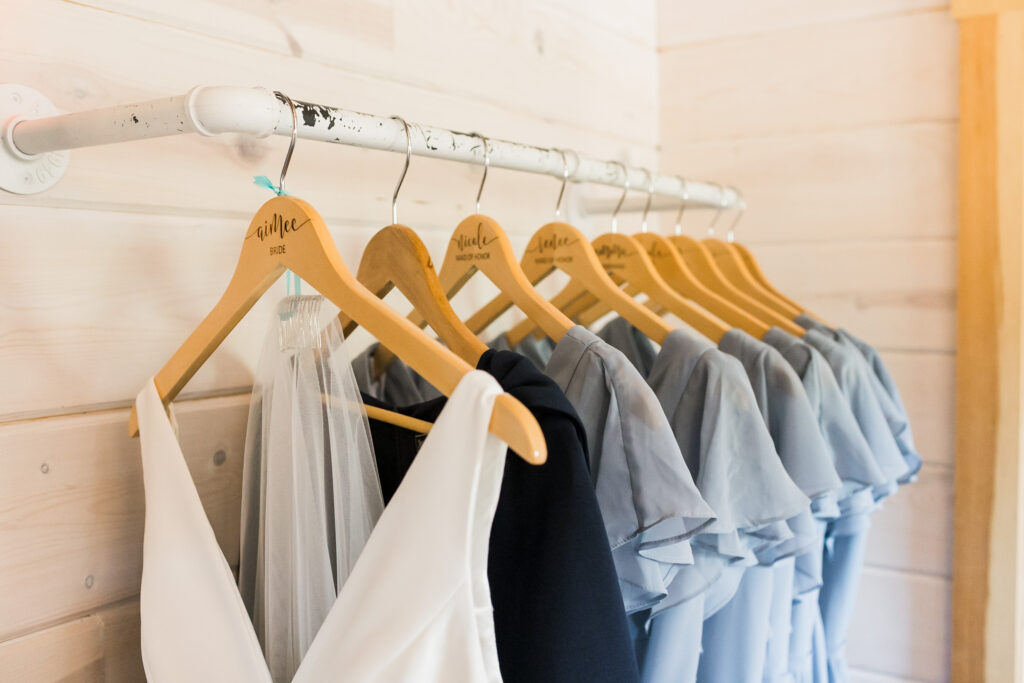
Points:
(558, 612)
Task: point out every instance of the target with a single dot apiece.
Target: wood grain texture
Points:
(198, 175)
(143, 237)
(974, 8)
(800, 186)
(811, 79)
(72, 508)
(639, 22)
(245, 43)
(901, 626)
(102, 647)
(987, 589)
(118, 293)
(490, 52)
(103, 323)
(687, 21)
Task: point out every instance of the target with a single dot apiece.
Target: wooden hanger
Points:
(736, 271)
(413, 424)
(626, 261)
(480, 244)
(676, 274)
(397, 257)
(679, 276)
(288, 233)
(587, 310)
(702, 264)
(560, 245)
(566, 301)
(750, 264)
(755, 270)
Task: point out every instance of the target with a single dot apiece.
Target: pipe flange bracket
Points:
(22, 173)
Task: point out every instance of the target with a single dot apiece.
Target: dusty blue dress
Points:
(858, 471)
(887, 433)
(724, 438)
(758, 618)
(649, 501)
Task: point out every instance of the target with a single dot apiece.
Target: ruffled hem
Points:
(827, 506)
(645, 582)
(803, 536)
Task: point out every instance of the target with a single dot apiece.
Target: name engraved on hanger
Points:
(279, 226)
(548, 244)
(476, 242)
(607, 252)
(656, 251)
(555, 241)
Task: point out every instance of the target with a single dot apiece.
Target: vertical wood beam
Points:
(987, 547)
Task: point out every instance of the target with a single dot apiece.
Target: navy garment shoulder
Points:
(558, 613)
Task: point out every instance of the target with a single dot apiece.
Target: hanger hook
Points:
(405, 169)
(682, 206)
(741, 207)
(565, 179)
(625, 191)
(291, 145)
(650, 195)
(719, 209)
(487, 164)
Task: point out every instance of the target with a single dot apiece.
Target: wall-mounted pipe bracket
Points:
(19, 172)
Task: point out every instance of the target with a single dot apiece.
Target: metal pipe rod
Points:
(212, 110)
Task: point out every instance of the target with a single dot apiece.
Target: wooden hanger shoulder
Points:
(562, 301)
(626, 261)
(755, 269)
(562, 246)
(396, 257)
(736, 271)
(703, 265)
(479, 243)
(677, 274)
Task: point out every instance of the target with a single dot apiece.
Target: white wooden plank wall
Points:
(103, 276)
(838, 120)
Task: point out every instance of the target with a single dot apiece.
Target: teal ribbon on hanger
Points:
(264, 181)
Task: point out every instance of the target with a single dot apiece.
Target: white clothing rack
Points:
(32, 157)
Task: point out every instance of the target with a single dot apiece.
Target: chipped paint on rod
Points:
(212, 110)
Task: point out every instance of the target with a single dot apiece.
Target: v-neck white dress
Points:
(416, 606)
